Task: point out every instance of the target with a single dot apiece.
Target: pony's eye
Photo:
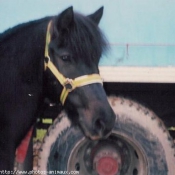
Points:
(66, 57)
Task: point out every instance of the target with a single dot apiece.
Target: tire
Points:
(139, 142)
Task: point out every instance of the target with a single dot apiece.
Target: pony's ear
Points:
(65, 19)
(96, 17)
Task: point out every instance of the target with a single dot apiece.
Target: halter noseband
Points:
(68, 84)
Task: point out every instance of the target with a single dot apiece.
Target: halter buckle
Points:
(68, 84)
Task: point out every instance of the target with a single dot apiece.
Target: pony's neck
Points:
(25, 39)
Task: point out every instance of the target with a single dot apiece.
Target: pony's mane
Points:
(86, 39)
(14, 30)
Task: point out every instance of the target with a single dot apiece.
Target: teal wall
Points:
(140, 32)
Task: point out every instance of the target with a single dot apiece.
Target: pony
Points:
(56, 58)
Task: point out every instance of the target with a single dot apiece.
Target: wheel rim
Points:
(116, 155)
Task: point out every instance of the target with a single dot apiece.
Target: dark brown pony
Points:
(75, 47)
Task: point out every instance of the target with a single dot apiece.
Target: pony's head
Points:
(73, 48)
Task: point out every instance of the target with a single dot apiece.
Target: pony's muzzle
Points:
(103, 128)
(99, 127)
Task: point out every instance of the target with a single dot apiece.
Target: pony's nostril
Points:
(100, 126)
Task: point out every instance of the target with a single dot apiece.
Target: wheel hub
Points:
(106, 159)
(110, 156)
(107, 166)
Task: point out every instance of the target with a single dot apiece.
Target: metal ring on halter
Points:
(47, 59)
(68, 84)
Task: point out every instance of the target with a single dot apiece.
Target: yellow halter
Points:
(68, 84)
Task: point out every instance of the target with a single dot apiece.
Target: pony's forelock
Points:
(86, 39)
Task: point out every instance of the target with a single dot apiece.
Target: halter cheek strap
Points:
(68, 84)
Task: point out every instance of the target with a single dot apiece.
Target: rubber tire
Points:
(133, 120)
